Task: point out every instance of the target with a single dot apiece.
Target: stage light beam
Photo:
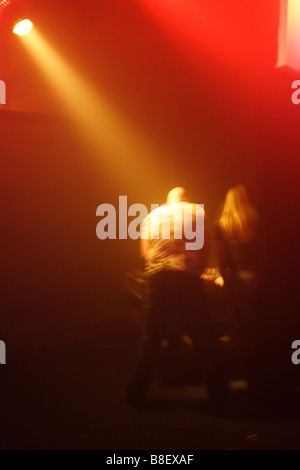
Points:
(126, 153)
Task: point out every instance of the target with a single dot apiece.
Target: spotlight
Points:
(22, 27)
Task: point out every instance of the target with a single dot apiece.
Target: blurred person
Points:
(174, 285)
(237, 235)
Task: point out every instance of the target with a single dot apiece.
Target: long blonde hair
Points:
(239, 218)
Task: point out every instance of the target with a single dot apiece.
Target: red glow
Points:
(209, 29)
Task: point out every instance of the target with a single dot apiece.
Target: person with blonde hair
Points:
(239, 218)
(237, 235)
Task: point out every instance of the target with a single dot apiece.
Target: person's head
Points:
(239, 218)
(176, 195)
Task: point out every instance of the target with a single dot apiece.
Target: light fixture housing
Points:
(22, 27)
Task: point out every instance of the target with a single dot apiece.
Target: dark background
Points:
(198, 82)
(187, 93)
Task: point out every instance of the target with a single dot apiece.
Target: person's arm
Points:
(206, 246)
(221, 256)
(144, 245)
(204, 251)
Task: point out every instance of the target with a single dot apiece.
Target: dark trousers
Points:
(247, 302)
(169, 292)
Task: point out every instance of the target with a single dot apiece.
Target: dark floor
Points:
(69, 394)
